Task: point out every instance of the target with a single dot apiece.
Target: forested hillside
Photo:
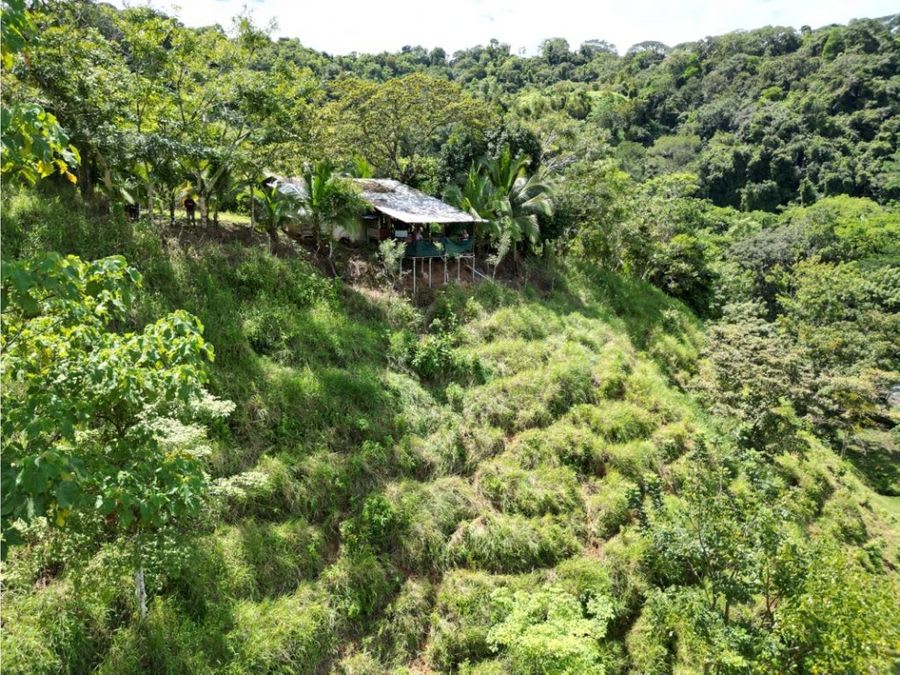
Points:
(656, 430)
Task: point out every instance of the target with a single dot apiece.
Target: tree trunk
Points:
(204, 210)
(171, 211)
(84, 176)
(150, 201)
(273, 237)
(140, 591)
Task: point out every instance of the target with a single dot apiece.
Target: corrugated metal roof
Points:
(407, 204)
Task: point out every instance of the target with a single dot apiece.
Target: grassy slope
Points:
(364, 513)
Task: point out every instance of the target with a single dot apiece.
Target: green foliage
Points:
(434, 355)
(609, 505)
(393, 123)
(52, 631)
(358, 585)
(842, 617)
(100, 427)
(328, 201)
(534, 398)
(276, 205)
(558, 428)
(399, 635)
(270, 559)
(561, 442)
(35, 145)
(464, 613)
(550, 631)
(615, 421)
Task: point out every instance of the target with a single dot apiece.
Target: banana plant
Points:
(329, 200)
(275, 205)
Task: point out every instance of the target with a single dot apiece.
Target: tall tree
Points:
(395, 122)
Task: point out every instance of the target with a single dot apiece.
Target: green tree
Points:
(35, 146)
(394, 123)
(102, 429)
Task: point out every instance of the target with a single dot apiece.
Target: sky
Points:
(344, 26)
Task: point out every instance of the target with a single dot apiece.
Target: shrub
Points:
(535, 491)
(458, 447)
(648, 641)
(634, 459)
(358, 663)
(611, 372)
(487, 667)
(676, 358)
(24, 642)
(512, 543)
(269, 490)
(673, 440)
(53, 631)
(375, 528)
(167, 642)
(550, 631)
(811, 482)
(509, 356)
(418, 411)
(625, 557)
(842, 619)
(528, 321)
(36, 221)
(290, 634)
(584, 577)
(434, 355)
(842, 518)
(648, 389)
(532, 398)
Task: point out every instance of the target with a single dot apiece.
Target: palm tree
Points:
(518, 199)
(476, 197)
(328, 200)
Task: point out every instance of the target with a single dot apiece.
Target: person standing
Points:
(190, 207)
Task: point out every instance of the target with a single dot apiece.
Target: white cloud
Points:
(344, 26)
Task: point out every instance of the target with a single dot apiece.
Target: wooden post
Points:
(429, 272)
(414, 276)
